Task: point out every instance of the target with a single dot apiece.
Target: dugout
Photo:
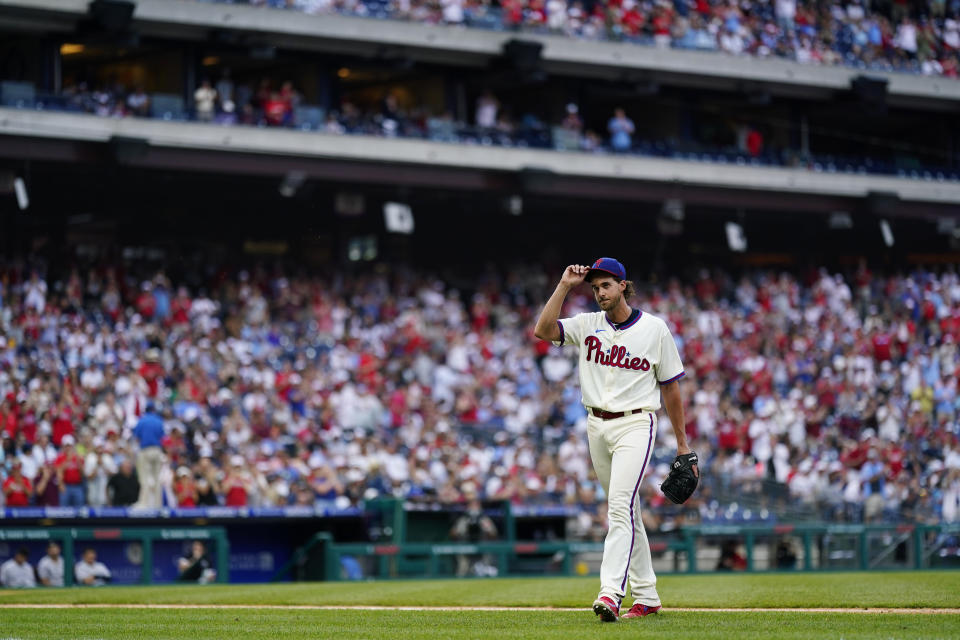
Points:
(256, 543)
(134, 555)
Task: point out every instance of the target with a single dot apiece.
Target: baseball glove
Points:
(682, 479)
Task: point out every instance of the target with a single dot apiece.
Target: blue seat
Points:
(441, 130)
(309, 118)
(565, 139)
(21, 95)
(164, 106)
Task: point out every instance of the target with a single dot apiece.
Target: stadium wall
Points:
(273, 142)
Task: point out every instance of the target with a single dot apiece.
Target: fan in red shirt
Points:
(513, 12)
(286, 380)
(728, 436)
(62, 423)
(146, 303)
(180, 307)
(662, 21)
(881, 345)
(151, 371)
(236, 485)
(185, 489)
(17, 488)
(8, 420)
(69, 468)
(633, 21)
(536, 13)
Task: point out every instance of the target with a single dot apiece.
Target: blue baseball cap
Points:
(608, 266)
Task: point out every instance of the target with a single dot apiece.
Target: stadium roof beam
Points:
(475, 47)
(270, 151)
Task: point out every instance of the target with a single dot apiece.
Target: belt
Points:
(610, 415)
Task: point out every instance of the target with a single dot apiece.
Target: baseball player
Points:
(628, 358)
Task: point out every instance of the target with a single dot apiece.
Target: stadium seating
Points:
(21, 95)
(856, 421)
(167, 107)
(859, 35)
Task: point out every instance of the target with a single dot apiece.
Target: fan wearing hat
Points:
(628, 358)
(69, 466)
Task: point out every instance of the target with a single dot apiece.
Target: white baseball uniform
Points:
(621, 368)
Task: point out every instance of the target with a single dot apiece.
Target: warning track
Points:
(294, 607)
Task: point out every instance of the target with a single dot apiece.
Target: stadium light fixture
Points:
(672, 215)
(398, 217)
(840, 220)
(887, 233)
(515, 205)
(291, 183)
(736, 238)
(20, 189)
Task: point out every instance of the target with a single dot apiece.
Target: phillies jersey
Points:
(620, 369)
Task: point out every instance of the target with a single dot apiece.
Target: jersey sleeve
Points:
(669, 368)
(571, 330)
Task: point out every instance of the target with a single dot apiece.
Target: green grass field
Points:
(938, 590)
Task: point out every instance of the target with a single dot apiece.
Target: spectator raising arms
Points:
(196, 565)
(17, 489)
(205, 100)
(621, 131)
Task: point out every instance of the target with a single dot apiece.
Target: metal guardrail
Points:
(914, 535)
(872, 546)
(45, 513)
(67, 536)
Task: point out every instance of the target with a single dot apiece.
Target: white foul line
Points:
(320, 607)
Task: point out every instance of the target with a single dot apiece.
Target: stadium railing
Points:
(69, 513)
(823, 547)
(927, 187)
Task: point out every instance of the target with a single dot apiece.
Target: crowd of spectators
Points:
(807, 396)
(491, 122)
(918, 37)
(223, 102)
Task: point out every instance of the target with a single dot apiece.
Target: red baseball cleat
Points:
(607, 609)
(639, 610)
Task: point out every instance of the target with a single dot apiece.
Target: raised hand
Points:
(574, 274)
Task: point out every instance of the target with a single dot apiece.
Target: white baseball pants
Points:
(150, 461)
(621, 450)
